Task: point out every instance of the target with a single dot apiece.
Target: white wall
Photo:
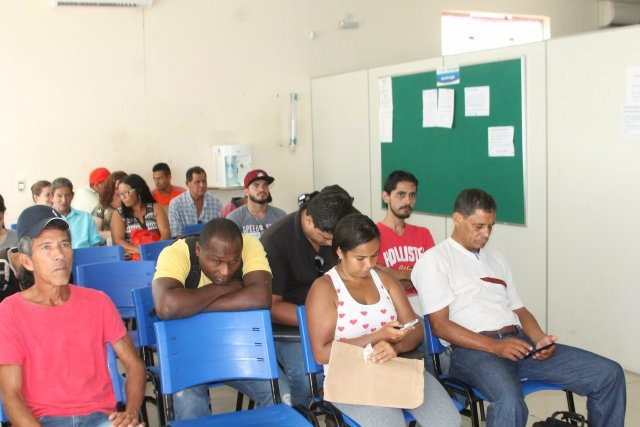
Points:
(126, 88)
(594, 285)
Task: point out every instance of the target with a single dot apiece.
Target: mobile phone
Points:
(406, 325)
(536, 350)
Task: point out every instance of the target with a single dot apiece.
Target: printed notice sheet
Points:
(501, 141)
(385, 113)
(476, 101)
(437, 108)
(633, 85)
(430, 108)
(631, 121)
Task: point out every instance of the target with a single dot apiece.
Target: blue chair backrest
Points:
(3, 416)
(117, 279)
(143, 304)
(116, 378)
(96, 254)
(310, 364)
(434, 346)
(215, 346)
(150, 251)
(192, 228)
(13, 227)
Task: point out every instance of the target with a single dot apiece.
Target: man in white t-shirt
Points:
(472, 302)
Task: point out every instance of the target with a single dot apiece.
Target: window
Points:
(469, 31)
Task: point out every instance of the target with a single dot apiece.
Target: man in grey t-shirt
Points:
(257, 215)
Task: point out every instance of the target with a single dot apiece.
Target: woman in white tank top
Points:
(360, 306)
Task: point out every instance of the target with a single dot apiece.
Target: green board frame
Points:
(446, 161)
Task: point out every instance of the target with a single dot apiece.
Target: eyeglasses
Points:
(318, 261)
(126, 193)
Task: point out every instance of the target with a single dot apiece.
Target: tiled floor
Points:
(541, 404)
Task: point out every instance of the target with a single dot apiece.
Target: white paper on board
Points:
(445, 107)
(476, 101)
(501, 141)
(385, 112)
(429, 108)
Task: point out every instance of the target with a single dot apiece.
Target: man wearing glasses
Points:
(299, 251)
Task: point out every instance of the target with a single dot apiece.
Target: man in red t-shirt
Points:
(53, 367)
(401, 244)
(164, 191)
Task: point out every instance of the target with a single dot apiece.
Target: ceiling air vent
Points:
(113, 3)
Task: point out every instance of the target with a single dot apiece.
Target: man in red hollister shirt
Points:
(401, 244)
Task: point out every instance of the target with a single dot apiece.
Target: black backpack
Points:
(563, 418)
(9, 283)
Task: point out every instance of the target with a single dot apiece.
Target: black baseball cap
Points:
(35, 218)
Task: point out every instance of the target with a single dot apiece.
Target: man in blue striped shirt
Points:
(195, 206)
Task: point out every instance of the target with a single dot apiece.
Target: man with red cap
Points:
(257, 214)
(87, 198)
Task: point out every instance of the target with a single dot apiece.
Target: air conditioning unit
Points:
(616, 13)
(115, 3)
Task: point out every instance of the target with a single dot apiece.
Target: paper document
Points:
(429, 108)
(631, 121)
(437, 108)
(385, 113)
(501, 141)
(633, 85)
(445, 107)
(476, 101)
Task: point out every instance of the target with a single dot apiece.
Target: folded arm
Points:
(172, 300)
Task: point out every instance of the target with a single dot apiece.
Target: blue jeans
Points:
(437, 410)
(585, 373)
(289, 355)
(94, 419)
(194, 402)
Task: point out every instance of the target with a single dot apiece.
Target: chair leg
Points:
(239, 401)
(570, 403)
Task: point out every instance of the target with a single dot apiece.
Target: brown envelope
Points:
(399, 383)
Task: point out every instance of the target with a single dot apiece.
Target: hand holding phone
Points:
(537, 350)
(406, 325)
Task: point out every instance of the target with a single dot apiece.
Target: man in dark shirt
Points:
(299, 251)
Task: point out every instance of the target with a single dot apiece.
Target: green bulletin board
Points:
(447, 160)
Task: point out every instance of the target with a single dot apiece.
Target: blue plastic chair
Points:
(192, 228)
(117, 280)
(117, 380)
(96, 254)
(221, 346)
(3, 416)
(151, 251)
(145, 319)
(313, 368)
(474, 398)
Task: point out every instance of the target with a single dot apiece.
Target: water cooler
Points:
(230, 165)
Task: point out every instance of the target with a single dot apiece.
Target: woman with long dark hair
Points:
(355, 304)
(139, 219)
